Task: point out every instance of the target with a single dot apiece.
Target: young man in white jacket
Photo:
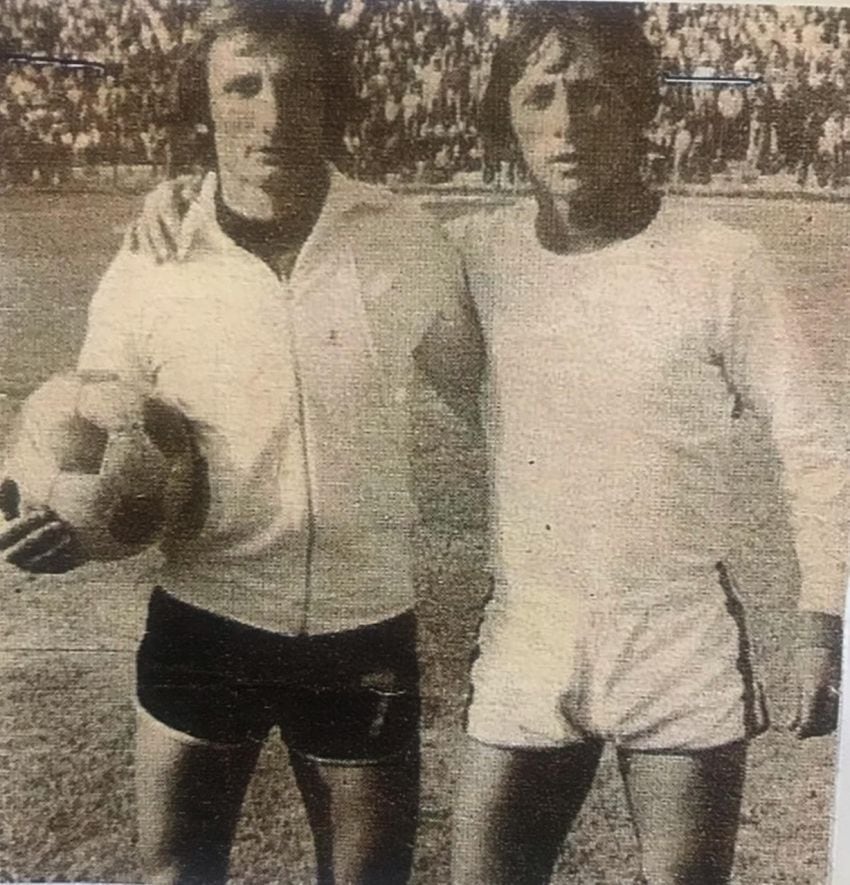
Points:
(289, 336)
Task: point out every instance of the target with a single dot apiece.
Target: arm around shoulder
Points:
(451, 350)
(158, 230)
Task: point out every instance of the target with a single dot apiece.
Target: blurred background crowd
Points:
(421, 67)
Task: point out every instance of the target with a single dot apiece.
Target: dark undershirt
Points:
(268, 240)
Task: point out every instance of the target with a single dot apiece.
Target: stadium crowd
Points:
(55, 116)
(796, 117)
(421, 67)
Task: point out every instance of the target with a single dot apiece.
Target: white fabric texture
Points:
(297, 391)
(620, 383)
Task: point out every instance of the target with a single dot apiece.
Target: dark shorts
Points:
(348, 697)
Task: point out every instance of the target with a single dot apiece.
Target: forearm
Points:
(794, 369)
(816, 478)
(806, 403)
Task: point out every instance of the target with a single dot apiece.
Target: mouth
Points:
(566, 165)
(267, 156)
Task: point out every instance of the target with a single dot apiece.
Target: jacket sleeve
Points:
(113, 330)
(426, 311)
(795, 370)
(450, 351)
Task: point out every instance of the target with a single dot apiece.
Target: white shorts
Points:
(657, 669)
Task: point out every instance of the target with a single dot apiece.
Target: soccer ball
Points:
(117, 465)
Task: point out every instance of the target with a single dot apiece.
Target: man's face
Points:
(267, 107)
(575, 132)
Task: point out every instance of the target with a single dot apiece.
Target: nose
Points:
(565, 114)
(268, 112)
(556, 121)
(575, 112)
(560, 120)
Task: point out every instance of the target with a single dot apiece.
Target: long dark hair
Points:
(629, 61)
(192, 125)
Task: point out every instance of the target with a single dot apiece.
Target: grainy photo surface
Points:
(425, 441)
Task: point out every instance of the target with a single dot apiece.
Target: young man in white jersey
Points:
(627, 348)
(289, 336)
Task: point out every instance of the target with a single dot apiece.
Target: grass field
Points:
(66, 801)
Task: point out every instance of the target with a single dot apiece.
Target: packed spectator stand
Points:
(54, 117)
(796, 119)
(421, 67)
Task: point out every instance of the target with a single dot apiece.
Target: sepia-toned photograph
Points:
(424, 441)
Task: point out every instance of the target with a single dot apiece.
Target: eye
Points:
(541, 96)
(593, 99)
(245, 86)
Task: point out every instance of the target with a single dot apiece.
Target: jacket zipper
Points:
(308, 484)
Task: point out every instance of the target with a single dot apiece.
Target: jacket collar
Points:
(344, 197)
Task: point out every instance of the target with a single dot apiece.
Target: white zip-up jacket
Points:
(297, 390)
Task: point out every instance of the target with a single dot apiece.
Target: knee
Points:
(171, 871)
(374, 855)
(681, 871)
(162, 874)
(169, 857)
(156, 866)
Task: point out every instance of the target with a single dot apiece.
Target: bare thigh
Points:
(363, 818)
(685, 809)
(514, 807)
(189, 796)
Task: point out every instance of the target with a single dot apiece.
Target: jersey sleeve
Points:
(115, 321)
(795, 371)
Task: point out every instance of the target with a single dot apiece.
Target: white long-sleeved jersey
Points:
(620, 380)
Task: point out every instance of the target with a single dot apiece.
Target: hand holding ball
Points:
(115, 464)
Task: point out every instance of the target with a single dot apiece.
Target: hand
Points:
(157, 232)
(818, 681)
(37, 542)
